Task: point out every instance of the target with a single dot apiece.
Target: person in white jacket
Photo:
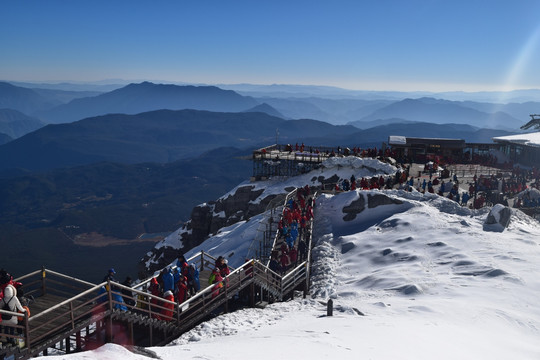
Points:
(14, 305)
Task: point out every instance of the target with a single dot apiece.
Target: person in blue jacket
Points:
(168, 280)
(193, 279)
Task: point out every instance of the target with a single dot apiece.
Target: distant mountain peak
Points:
(147, 96)
(267, 109)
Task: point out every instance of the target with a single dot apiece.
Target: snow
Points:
(397, 140)
(232, 242)
(416, 280)
(343, 167)
(531, 192)
(531, 139)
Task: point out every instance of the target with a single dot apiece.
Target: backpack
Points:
(211, 278)
(6, 308)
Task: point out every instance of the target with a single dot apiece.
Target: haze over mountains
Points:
(16, 124)
(442, 112)
(137, 98)
(149, 122)
(336, 106)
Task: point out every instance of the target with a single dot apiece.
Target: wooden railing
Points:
(81, 305)
(106, 301)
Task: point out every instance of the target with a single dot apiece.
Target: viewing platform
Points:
(290, 160)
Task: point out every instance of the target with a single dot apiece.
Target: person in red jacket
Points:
(181, 289)
(155, 290)
(5, 280)
(217, 280)
(168, 311)
(293, 256)
(284, 259)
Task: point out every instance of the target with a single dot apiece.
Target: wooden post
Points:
(78, 345)
(252, 294)
(72, 315)
(306, 283)
(202, 261)
(108, 330)
(68, 345)
(131, 334)
(330, 308)
(43, 281)
(226, 295)
(27, 330)
(98, 330)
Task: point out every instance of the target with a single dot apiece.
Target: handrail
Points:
(65, 302)
(12, 313)
(200, 254)
(70, 277)
(291, 272)
(182, 315)
(271, 207)
(28, 275)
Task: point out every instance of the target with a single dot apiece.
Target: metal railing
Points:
(202, 260)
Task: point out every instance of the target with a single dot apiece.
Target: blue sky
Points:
(366, 45)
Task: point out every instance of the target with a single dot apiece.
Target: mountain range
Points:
(16, 124)
(24, 100)
(137, 98)
(442, 112)
(4, 139)
(158, 136)
(59, 106)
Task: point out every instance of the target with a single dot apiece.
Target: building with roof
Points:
(522, 148)
(425, 149)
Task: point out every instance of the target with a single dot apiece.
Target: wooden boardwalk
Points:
(71, 315)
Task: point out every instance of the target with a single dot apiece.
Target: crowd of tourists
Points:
(175, 284)
(293, 232)
(476, 192)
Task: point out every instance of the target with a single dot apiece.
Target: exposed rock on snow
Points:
(354, 208)
(498, 218)
(373, 200)
(206, 219)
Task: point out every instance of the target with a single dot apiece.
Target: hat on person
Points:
(111, 270)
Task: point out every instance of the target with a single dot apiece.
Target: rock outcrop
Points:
(205, 220)
(358, 205)
(498, 218)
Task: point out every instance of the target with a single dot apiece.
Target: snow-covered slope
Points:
(247, 200)
(414, 277)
